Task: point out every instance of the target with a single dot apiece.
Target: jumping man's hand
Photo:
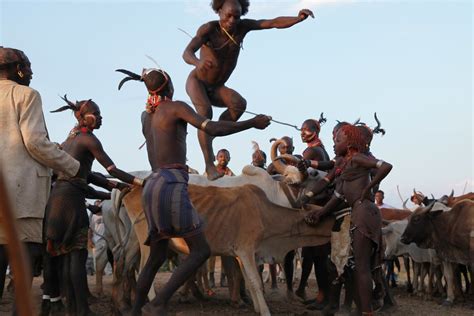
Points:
(262, 121)
(303, 14)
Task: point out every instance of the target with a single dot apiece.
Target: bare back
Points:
(165, 135)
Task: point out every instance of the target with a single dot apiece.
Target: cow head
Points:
(291, 174)
(391, 234)
(420, 226)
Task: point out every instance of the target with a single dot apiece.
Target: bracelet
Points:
(309, 194)
(138, 181)
(111, 167)
(379, 163)
(204, 124)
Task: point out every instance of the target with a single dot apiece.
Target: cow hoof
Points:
(409, 288)
(238, 304)
(447, 303)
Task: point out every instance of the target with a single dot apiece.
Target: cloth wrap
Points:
(168, 209)
(66, 220)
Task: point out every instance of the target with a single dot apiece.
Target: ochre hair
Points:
(355, 138)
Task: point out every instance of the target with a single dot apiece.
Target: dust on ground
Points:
(218, 304)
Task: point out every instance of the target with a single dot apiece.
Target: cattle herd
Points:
(436, 240)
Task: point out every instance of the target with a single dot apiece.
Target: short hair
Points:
(314, 125)
(380, 191)
(217, 5)
(225, 151)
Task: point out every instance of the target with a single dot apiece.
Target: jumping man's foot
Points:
(212, 173)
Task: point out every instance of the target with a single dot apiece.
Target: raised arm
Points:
(281, 22)
(220, 128)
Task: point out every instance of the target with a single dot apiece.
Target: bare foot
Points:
(154, 310)
(212, 173)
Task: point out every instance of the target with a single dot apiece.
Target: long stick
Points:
(16, 255)
(278, 122)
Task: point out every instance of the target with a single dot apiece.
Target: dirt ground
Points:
(276, 299)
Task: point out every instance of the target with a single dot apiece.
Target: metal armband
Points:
(204, 124)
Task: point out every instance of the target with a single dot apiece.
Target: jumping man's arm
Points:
(196, 42)
(281, 22)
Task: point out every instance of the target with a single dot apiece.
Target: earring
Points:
(20, 74)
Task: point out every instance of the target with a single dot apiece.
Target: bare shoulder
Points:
(206, 29)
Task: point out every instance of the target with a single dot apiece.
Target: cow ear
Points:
(386, 230)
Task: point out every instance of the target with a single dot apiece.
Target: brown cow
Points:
(243, 223)
(451, 200)
(394, 214)
(449, 233)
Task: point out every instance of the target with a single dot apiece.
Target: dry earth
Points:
(218, 304)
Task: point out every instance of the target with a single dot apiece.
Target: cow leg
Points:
(406, 263)
(449, 276)
(416, 274)
(247, 281)
(212, 267)
(147, 275)
(199, 253)
(250, 268)
(234, 277)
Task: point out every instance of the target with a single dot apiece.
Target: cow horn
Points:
(405, 205)
(428, 208)
(451, 195)
(279, 166)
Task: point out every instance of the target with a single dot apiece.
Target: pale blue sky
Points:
(410, 61)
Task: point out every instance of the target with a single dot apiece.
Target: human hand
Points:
(261, 121)
(304, 200)
(121, 186)
(205, 64)
(303, 164)
(303, 14)
(314, 217)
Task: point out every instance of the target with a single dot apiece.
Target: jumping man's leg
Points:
(198, 94)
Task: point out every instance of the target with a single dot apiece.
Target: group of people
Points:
(53, 221)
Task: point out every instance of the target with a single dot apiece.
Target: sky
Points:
(409, 61)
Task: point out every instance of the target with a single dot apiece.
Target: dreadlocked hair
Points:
(77, 108)
(355, 138)
(217, 5)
